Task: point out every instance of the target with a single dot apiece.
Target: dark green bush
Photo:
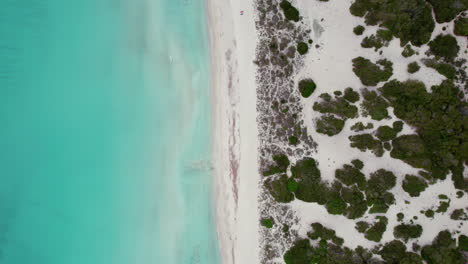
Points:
(365, 142)
(310, 187)
(378, 185)
(459, 214)
(350, 175)
(444, 46)
(397, 126)
(371, 73)
(437, 117)
(278, 188)
(446, 10)
(289, 11)
(414, 185)
(293, 140)
(323, 233)
(413, 67)
(461, 27)
(358, 164)
(442, 250)
(463, 243)
(350, 95)
(267, 222)
(407, 231)
(375, 232)
(359, 126)
(357, 205)
(300, 253)
(445, 69)
(306, 87)
(338, 106)
(302, 48)
(374, 105)
(394, 252)
(411, 149)
(409, 20)
(385, 133)
(362, 226)
(408, 51)
(329, 125)
(358, 30)
(282, 163)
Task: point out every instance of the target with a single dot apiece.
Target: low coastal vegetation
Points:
(425, 127)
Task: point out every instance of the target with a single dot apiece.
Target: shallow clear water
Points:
(105, 114)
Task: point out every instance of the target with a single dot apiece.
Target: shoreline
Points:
(235, 136)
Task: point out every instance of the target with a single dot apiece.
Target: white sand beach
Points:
(233, 42)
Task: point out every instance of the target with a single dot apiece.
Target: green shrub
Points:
(267, 222)
(358, 164)
(293, 140)
(350, 95)
(289, 11)
(374, 105)
(400, 217)
(279, 189)
(413, 67)
(409, 20)
(443, 206)
(338, 106)
(447, 10)
(444, 69)
(411, 149)
(357, 205)
(365, 142)
(459, 214)
(375, 232)
(408, 51)
(461, 27)
(429, 213)
(397, 126)
(438, 146)
(372, 41)
(306, 87)
(463, 243)
(329, 125)
(362, 226)
(323, 233)
(385, 133)
(414, 185)
(442, 250)
(377, 193)
(358, 30)
(444, 46)
(300, 253)
(395, 252)
(359, 126)
(302, 48)
(406, 231)
(282, 163)
(310, 187)
(335, 204)
(371, 73)
(350, 175)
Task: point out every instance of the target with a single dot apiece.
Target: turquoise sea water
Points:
(105, 120)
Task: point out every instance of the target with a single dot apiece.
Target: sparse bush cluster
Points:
(336, 111)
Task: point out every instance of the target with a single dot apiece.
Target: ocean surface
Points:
(105, 141)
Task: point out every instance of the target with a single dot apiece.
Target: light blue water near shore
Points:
(105, 120)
